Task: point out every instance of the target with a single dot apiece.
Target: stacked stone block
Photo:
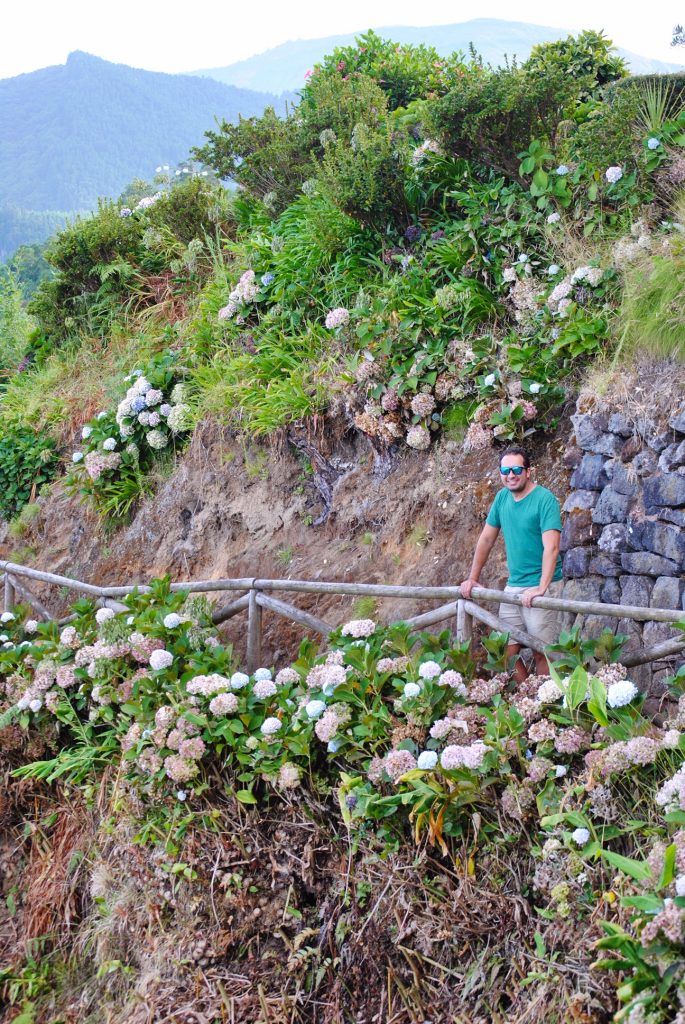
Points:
(623, 537)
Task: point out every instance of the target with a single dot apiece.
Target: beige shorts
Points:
(542, 623)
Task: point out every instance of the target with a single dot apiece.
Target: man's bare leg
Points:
(541, 664)
(520, 670)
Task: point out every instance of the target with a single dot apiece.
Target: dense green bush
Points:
(27, 461)
(587, 57)
(404, 72)
(607, 136)
(490, 116)
(266, 155)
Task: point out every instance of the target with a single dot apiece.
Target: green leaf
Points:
(541, 179)
(246, 796)
(637, 869)
(668, 872)
(647, 904)
(540, 947)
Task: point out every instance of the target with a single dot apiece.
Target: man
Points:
(530, 519)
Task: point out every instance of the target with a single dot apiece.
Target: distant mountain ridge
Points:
(77, 131)
(283, 67)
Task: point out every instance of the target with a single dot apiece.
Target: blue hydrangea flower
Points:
(561, 170)
(653, 143)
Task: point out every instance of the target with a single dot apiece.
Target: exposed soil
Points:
(236, 510)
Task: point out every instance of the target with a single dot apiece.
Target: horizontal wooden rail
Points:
(256, 597)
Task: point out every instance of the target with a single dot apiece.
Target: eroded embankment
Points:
(238, 510)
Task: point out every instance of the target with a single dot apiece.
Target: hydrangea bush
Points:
(406, 730)
(120, 446)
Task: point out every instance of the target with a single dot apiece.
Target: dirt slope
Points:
(237, 510)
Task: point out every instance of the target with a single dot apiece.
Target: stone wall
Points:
(623, 537)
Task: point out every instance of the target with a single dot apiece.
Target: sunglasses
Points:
(516, 470)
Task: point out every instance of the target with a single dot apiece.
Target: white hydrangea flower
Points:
(31, 626)
(270, 726)
(680, 885)
(109, 444)
(553, 269)
(580, 836)
(560, 770)
(489, 380)
(554, 218)
(427, 760)
(412, 689)
(429, 670)
(315, 708)
(238, 680)
(549, 692)
(104, 615)
(161, 659)
(7, 617)
(534, 388)
(156, 439)
(172, 620)
(35, 705)
(77, 457)
(261, 674)
(86, 432)
(621, 693)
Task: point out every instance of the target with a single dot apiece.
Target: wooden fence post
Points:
(464, 623)
(254, 632)
(9, 593)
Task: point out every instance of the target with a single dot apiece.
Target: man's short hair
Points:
(516, 450)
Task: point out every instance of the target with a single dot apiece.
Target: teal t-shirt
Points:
(522, 523)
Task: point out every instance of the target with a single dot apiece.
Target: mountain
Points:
(283, 67)
(84, 129)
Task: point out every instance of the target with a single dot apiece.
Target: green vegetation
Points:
(395, 745)
(441, 245)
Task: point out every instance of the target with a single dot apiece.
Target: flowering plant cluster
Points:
(121, 445)
(400, 728)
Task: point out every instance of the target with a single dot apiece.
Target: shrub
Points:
(587, 57)
(490, 116)
(404, 72)
(268, 155)
(608, 135)
(27, 461)
(121, 446)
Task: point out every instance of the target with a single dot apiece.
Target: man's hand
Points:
(466, 588)
(528, 595)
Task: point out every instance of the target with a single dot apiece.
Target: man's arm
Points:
(484, 546)
(550, 544)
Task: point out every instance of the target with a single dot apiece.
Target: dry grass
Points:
(644, 389)
(288, 922)
(75, 383)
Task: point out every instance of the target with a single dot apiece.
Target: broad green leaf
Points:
(637, 869)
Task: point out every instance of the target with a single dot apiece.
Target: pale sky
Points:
(179, 36)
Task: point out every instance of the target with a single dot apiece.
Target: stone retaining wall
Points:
(623, 537)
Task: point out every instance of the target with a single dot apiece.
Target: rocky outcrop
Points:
(623, 536)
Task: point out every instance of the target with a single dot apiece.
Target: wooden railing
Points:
(256, 595)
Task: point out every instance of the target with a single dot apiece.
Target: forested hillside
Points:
(75, 132)
(427, 260)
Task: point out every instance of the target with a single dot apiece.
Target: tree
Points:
(678, 36)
